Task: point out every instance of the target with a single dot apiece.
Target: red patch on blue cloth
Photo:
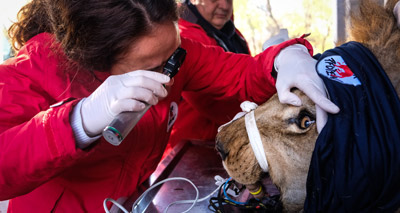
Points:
(335, 68)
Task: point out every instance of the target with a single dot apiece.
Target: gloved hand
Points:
(296, 68)
(119, 93)
(396, 12)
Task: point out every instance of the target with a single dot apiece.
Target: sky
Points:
(8, 13)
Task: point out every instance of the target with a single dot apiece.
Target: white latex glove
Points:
(296, 68)
(396, 12)
(119, 93)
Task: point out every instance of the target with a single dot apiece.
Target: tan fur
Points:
(376, 28)
(288, 147)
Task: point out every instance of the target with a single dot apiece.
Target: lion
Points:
(289, 133)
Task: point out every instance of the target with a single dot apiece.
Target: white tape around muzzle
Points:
(254, 134)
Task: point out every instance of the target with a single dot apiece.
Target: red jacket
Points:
(196, 32)
(41, 170)
(193, 121)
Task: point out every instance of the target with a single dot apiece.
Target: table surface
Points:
(197, 161)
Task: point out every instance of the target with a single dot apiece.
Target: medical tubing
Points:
(122, 124)
(192, 201)
(161, 182)
(228, 198)
(140, 198)
(115, 203)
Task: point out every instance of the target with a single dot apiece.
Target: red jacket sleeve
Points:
(226, 75)
(196, 32)
(193, 100)
(36, 141)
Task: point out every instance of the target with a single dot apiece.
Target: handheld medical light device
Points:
(120, 127)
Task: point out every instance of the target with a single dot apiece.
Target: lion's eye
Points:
(305, 122)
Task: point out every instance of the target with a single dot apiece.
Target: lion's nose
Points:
(220, 148)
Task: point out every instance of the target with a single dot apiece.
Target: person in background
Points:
(209, 22)
(81, 63)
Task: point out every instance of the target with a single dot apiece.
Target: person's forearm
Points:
(36, 151)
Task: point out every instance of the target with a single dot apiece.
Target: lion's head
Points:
(288, 134)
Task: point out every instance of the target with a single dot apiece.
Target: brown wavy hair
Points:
(92, 33)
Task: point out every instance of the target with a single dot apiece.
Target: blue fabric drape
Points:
(355, 165)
